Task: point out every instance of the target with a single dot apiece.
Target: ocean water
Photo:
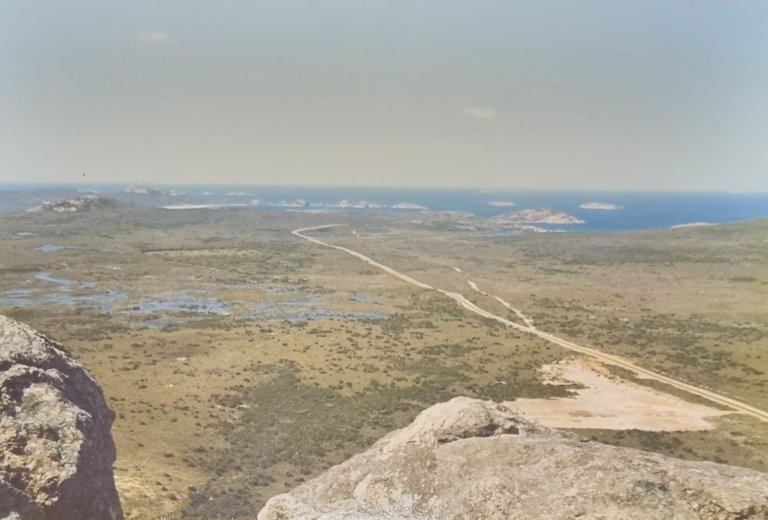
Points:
(635, 210)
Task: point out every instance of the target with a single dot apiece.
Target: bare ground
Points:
(610, 403)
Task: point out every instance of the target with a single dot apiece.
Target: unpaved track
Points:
(528, 322)
(734, 404)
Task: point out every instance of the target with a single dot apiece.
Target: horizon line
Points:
(489, 189)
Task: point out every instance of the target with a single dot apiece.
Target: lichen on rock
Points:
(56, 447)
(470, 459)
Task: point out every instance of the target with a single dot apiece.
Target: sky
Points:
(567, 94)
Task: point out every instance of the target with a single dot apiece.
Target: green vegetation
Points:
(215, 413)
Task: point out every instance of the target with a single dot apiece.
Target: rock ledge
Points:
(472, 459)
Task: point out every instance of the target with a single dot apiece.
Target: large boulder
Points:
(470, 459)
(56, 448)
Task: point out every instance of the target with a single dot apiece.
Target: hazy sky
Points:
(539, 94)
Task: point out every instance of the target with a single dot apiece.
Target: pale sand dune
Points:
(608, 402)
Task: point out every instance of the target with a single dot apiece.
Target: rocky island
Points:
(536, 216)
(75, 204)
(604, 206)
(408, 205)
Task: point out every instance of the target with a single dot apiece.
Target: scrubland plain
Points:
(242, 360)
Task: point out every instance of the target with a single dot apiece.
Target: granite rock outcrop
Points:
(471, 459)
(56, 447)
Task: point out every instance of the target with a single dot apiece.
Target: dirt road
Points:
(612, 359)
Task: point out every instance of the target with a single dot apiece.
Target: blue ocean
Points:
(600, 210)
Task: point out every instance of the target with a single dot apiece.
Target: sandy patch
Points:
(608, 402)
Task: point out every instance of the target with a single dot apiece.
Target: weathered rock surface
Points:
(56, 448)
(471, 459)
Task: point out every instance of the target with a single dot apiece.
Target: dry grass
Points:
(217, 414)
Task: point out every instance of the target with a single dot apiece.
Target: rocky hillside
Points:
(75, 204)
(471, 459)
(56, 448)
